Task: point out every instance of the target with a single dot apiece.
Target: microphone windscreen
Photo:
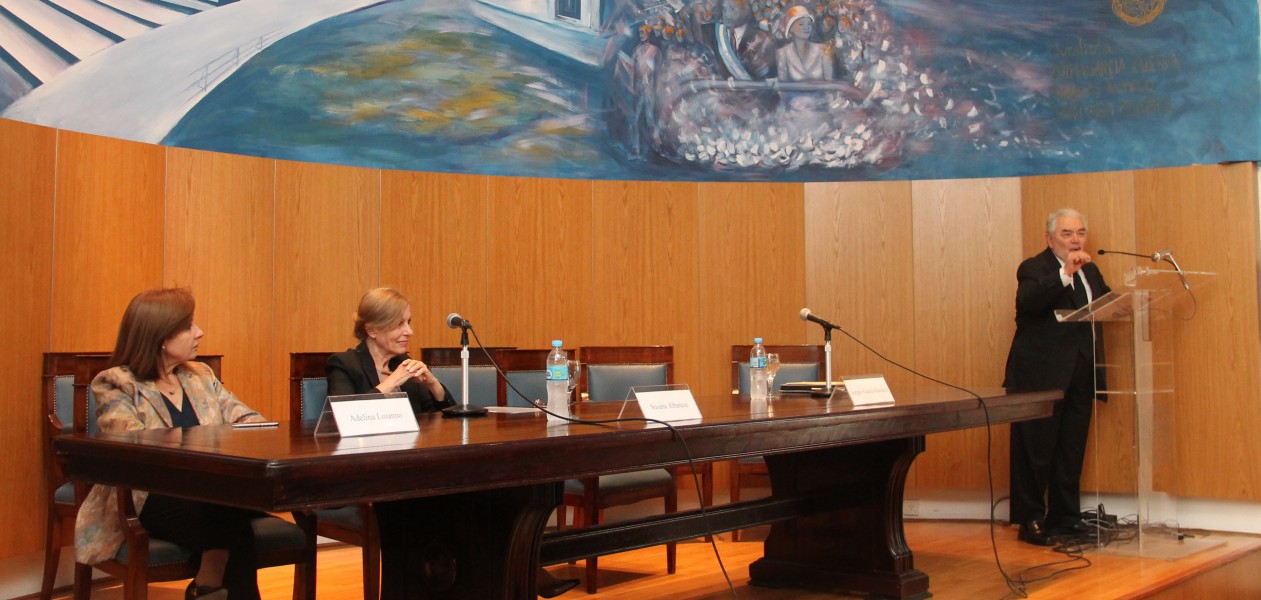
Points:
(805, 314)
(454, 320)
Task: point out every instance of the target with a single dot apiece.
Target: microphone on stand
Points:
(806, 316)
(827, 343)
(454, 321)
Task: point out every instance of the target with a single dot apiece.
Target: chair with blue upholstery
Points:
(526, 371)
(65, 380)
(445, 364)
(796, 363)
(354, 524)
(142, 558)
(608, 374)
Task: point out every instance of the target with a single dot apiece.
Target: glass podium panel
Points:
(1131, 448)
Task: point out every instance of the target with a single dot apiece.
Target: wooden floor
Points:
(957, 556)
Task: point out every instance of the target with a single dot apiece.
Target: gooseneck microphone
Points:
(1154, 256)
(1166, 255)
(807, 316)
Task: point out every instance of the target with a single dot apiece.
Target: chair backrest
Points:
(65, 379)
(308, 385)
(445, 364)
(527, 371)
(609, 372)
(796, 363)
(67, 393)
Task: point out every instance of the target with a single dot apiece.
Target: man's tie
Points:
(1079, 290)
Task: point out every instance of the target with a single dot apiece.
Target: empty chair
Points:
(796, 363)
(524, 377)
(609, 372)
(446, 365)
(354, 524)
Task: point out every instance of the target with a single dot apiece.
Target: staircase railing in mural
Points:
(223, 65)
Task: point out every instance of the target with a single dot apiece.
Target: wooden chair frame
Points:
(310, 365)
(587, 507)
(742, 471)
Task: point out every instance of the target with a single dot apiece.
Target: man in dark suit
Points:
(741, 50)
(1047, 454)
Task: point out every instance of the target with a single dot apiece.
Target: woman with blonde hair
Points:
(154, 383)
(383, 326)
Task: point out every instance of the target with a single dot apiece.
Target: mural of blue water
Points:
(921, 89)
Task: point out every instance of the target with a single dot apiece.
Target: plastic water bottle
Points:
(757, 371)
(557, 383)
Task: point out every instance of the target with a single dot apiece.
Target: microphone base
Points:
(464, 411)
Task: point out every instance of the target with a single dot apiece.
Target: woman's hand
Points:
(412, 369)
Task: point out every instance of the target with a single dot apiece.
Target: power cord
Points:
(696, 480)
(1017, 584)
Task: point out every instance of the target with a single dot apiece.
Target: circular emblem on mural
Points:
(1137, 12)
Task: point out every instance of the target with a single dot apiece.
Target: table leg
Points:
(859, 546)
(479, 545)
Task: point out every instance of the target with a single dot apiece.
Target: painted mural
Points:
(789, 90)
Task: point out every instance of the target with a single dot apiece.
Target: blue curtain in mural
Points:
(740, 90)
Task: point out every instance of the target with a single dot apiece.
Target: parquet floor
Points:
(957, 556)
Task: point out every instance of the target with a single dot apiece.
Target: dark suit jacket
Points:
(353, 372)
(756, 52)
(1044, 351)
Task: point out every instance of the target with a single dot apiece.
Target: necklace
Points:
(167, 387)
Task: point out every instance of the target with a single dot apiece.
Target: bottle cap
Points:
(557, 343)
(757, 340)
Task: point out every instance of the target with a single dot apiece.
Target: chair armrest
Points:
(135, 536)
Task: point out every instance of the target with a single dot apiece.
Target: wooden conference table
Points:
(490, 484)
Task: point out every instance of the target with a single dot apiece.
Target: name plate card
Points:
(371, 416)
(668, 405)
(868, 390)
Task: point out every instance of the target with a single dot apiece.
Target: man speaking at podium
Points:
(1047, 454)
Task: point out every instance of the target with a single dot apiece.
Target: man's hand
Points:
(1075, 260)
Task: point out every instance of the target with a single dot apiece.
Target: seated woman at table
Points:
(380, 364)
(383, 326)
(154, 383)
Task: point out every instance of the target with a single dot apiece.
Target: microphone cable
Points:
(1016, 585)
(691, 463)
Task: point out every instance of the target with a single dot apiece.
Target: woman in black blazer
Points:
(380, 364)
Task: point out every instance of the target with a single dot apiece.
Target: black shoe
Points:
(551, 587)
(204, 592)
(1034, 532)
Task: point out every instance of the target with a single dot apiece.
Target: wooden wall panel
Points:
(327, 253)
(220, 228)
(108, 236)
(967, 248)
(1107, 200)
(752, 271)
(27, 171)
(540, 263)
(859, 269)
(644, 270)
(433, 249)
(1208, 216)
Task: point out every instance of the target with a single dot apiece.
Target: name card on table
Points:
(866, 390)
(668, 405)
(370, 414)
